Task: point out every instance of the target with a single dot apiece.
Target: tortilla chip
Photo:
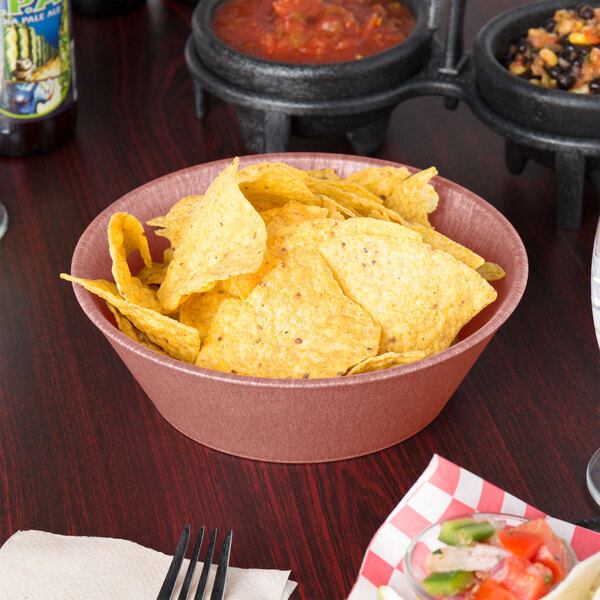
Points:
(295, 323)
(155, 273)
(441, 242)
(281, 240)
(306, 234)
(415, 197)
(223, 320)
(422, 297)
(346, 193)
(226, 237)
(491, 271)
(385, 361)
(335, 209)
(353, 200)
(328, 174)
(380, 215)
(375, 226)
(125, 236)
(410, 196)
(174, 224)
(270, 169)
(292, 212)
(128, 328)
(380, 180)
(199, 310)
(124, 324)
(176, 339)
(267, 185)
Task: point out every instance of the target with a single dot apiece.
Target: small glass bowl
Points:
(427, 541)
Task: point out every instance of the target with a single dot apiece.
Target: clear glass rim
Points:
(3, 219)
(592, 483)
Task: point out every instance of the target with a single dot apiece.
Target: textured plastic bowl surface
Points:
(296, 421)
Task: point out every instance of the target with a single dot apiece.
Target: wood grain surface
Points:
(82, 449)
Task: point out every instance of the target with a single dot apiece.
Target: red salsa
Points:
(312, 31)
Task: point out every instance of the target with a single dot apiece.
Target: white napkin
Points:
(40, 565)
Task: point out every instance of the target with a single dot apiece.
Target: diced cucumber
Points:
(477, 532)
(448, 533)
(462, 532)
(449, 582)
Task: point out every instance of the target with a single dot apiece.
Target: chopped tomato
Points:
(521, 543)
(309, 8)
(331, 24)
(537, 526)
(556, 563)
(493, 590)
(525, 580)
(592, 37)
(553, 552)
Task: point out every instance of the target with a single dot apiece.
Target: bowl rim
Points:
(407, 566)
(483, 51)
(88, 301)
(202, 29)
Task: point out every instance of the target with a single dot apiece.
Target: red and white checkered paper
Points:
(443, 491)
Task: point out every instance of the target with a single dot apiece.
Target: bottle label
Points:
(36, 57)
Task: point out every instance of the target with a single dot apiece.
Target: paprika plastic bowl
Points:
(296, 421)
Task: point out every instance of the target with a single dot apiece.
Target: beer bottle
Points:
(38, 97)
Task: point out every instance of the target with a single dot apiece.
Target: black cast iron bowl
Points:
(301, 82)
(542, 109)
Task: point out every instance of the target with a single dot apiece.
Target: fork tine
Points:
(187, 582)
(169, 583)
(208, 559)
(221, 577)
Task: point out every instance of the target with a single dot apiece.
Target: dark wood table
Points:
(82, 449)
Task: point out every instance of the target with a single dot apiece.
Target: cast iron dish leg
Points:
(270, 131)
(515, 157)
(199, 100)
(569, 169)
(369, 138)
(569, 176)
(264, 131)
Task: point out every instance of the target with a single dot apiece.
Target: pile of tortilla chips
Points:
(279, 272)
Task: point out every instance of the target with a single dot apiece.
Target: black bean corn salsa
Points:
(563, 54)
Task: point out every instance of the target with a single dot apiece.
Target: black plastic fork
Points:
(218, 591)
